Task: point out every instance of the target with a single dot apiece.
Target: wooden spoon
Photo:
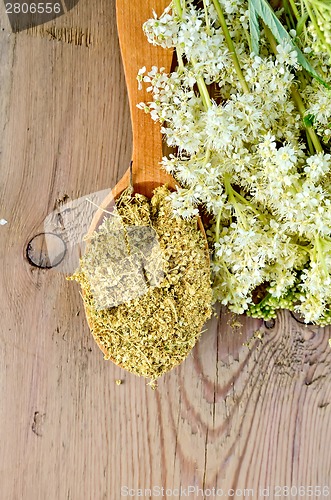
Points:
(145, 172)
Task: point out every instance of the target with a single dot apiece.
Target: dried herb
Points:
(161, 261)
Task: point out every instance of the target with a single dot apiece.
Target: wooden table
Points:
(251, 406)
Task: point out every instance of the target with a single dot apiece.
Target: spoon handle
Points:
(137, 52)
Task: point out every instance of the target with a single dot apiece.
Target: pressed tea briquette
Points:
(155, 331)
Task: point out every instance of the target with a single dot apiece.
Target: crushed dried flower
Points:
(146, 293)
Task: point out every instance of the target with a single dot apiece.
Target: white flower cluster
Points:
(245, 157)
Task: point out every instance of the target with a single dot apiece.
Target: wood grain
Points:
(232, 416)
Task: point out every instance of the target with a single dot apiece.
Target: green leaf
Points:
(254, 28)
(263, 9)
(308, 120)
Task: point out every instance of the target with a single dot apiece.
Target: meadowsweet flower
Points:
(244, 156)
(286, 55)
(317, 166)
(163, 30)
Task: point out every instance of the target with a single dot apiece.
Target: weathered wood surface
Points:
(232, 416)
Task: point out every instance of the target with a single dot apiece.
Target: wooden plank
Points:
(232, 416)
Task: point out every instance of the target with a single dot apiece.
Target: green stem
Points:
(296, 98)
(325, 241)
(230, 192)
(321, 4)
(226, 268)
(207, 156)
(202, 89)
(288, 15)
(305, 249)
(294, 9)
(302, 110)
(218, 227)
(231, 46)
(200, 81)
(248, 38)
(266, 298)
(219, 260)
(204, 92)
(310, 144)
(271, 38)
(206, 18)
(178, 8)
(249, 205)
(179, 58)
